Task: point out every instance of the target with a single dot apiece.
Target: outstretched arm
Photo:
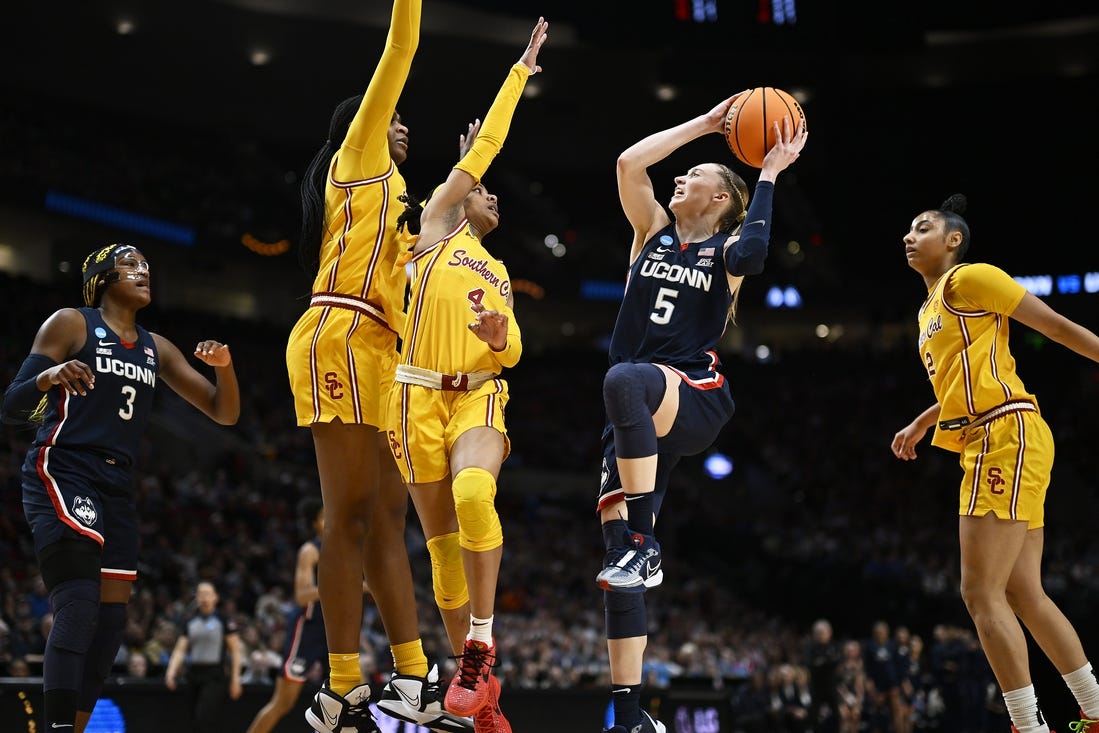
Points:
(444, 210)
(1034, 312)
(635, 189)
(368, 135)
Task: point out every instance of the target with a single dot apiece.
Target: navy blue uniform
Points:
(77, 474)
(306, 643)
(674, 312)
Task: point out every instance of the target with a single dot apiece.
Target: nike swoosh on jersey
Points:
(107, 343)
(757, 221)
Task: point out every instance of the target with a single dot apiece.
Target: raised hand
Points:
(537, 38)
(213, 353)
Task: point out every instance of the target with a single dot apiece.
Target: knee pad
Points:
(632, 393)
(626, 615)
(448, 576)
(75, 606)
(478, 523)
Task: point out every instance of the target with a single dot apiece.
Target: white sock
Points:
(480, 629)
(1085, 689)
(1022, 706)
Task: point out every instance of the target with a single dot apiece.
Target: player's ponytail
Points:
(313, 184)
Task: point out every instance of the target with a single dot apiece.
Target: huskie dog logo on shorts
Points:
(297, 667)
(604, 475)
(84, 510)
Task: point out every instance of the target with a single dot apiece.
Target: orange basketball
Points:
(749, 126)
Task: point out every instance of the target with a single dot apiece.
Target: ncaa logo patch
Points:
(100, 332)
(84, 510)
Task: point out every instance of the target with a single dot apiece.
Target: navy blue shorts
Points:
(68, 493)
(702, 414)
(305, 646)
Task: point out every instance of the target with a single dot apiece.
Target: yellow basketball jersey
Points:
(446, 280)
(963, 342)
(359, 267)
(359, 260)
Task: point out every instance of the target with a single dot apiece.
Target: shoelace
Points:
(470, 663)
(1083, 725)
(633, 567)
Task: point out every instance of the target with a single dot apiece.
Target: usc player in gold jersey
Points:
(984, 413)
(340, 357)
(447, 407)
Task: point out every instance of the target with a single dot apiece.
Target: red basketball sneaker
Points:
(470, 689)
(490, 719)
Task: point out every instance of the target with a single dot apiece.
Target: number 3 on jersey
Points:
(662, 309)
(127, 410)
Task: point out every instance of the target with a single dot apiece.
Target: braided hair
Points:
(96, 271)
(313, 184)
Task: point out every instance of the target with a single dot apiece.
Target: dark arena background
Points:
(184, 128)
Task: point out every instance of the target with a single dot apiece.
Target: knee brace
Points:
(626, 615)
(478, 523)
(448, 576)
(75, 606)
(632, 393)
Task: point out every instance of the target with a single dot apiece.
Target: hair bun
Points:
(956, 202)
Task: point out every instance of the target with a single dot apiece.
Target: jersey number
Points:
(475, 297)
(930, 364)
(127, 410)
(662, 311)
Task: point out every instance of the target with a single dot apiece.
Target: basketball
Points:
(749, 126)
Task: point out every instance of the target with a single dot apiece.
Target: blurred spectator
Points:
(137, 665)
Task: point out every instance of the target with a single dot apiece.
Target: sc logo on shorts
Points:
(995, 481)
(333, 386)
(395, 445)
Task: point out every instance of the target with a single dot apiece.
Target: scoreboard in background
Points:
(777, 12)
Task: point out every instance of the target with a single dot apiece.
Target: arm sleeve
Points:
(367, 135)
(22, 396)
(495, 127)
(747, 255)
(509, 355)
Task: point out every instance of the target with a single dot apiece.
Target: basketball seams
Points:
(750, 138)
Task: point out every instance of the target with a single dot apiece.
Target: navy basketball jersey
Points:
(675, 307)
(110, 419)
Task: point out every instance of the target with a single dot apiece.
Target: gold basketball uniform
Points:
(342, 352)
(447, 378)
(986, 414)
